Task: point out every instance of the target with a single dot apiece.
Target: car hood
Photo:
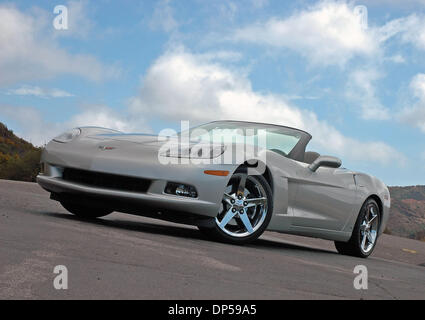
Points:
(148, 140)
(145, 141)
(140, 138)
(154, 143)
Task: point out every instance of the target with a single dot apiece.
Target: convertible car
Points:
(206, 182)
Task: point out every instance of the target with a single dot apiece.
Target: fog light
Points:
(181, 190)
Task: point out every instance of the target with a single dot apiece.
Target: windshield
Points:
(279, 139)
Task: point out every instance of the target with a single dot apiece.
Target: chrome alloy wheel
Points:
(369, 228)
(244, 206)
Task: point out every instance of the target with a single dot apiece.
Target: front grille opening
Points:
(106, 180)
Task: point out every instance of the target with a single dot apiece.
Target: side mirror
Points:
(325, 161)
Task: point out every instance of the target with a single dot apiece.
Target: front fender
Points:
(368, 186)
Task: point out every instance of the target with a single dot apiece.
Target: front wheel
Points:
(245, 211)
(85, 212)
(365, 233)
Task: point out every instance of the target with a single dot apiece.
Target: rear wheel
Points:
(85, 212)
(365, 233)
(245, 210)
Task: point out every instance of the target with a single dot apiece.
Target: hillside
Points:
(407, 212)
(19, 159)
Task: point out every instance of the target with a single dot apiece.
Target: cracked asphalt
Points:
(128, 257)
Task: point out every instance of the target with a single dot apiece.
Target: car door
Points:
(325, 199)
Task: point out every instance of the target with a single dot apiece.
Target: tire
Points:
(355, 246)
(86, 212)
(249, 210)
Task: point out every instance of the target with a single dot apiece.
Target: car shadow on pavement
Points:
(178, 231)
(281, 244)
(138, 226)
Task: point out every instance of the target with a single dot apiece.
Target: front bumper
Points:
(136, 161)
(160, 201)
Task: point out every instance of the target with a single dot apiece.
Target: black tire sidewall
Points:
(356, 238)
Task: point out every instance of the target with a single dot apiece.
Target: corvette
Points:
(232, 196)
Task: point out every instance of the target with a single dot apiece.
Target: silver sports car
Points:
(232, 179)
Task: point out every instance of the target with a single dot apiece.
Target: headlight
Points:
(195, 152)
(68, 136)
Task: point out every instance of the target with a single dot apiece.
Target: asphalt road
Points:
(128, 257)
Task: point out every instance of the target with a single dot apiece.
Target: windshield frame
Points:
(297, 152)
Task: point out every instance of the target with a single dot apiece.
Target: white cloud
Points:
(258, 4)
(418, 86)
(361, 90)
(39, 92)
(415, 115)
(27, 52)
(228, 10)
(104, 116)
(329, 33)
(180, 85)
(36, 129)
(33, 126)
(222, 55)
(183, 86)
(410, 29)
(163, 17)
(79, 24)
(397, 58)
(396, 3)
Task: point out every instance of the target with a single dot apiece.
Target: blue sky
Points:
(145, 65)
